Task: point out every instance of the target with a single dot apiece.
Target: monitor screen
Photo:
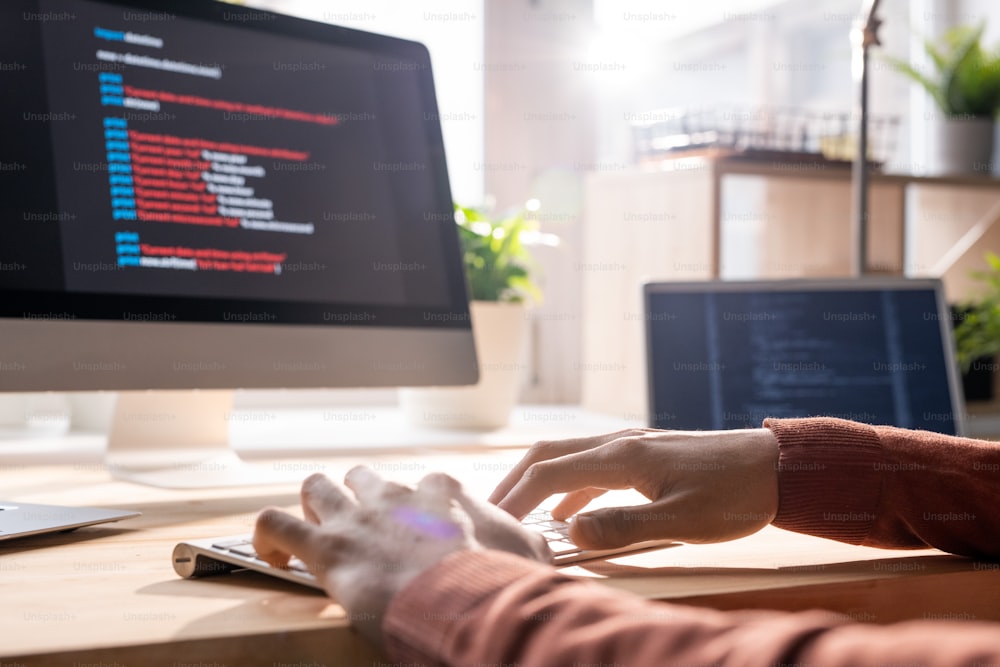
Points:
(727, 355)
(201, 183)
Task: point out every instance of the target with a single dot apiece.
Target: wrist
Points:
(763, 451)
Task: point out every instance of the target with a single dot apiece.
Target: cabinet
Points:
(701, 218)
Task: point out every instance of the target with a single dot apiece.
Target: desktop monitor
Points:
(727, 354)
(202, 196)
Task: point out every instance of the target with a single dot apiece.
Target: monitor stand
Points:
(180, 440)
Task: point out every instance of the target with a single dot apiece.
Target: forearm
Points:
(488, 607)
(888, 487)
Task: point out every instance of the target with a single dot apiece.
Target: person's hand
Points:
(367, 539)
(704, 486)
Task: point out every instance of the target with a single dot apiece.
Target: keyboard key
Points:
(559, 547)
(297, 564)
(229, 543)
(247, 551)
(554, 525)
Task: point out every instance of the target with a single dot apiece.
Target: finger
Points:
(370, 487)
(551, 449)
(323, 499)
(496, 529)
(278, 536)
(618, 526)
(575, 501)
(437, 491)
(439, 484)
(596, 467)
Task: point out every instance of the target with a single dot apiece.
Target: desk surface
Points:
(109, 595)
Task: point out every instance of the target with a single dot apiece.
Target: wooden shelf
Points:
(669, 221)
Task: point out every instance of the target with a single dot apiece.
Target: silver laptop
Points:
(727, 354)
(23, 519)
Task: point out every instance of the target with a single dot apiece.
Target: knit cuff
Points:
(829, 477)
(423, 617)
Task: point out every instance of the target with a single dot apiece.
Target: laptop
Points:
(23, 519)
(727, 354)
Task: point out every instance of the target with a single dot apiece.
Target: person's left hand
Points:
(367, 539)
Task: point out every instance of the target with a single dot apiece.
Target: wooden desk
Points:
(108, 595)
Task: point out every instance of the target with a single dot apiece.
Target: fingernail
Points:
(590, 529)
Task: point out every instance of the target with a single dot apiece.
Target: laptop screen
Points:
(725, 355)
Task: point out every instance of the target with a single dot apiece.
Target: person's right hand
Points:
(368, 538)
(704, 486)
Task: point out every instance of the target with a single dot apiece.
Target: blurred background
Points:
(571, 105)
(539, 96)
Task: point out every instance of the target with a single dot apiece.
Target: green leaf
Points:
(977, 333)
(966, 78)
(931, 86)
(497, 263)
(936, 55)
(958, 77)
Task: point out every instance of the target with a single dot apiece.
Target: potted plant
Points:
(977, 334)
(499, 271)
(966, 88)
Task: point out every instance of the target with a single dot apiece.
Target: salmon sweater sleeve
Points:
(876, 486)
(888, 487)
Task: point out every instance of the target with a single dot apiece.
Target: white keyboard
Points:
(565, 552)
(221, 555)
(202, 558)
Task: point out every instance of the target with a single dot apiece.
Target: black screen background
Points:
(384, 241)
(730, 359)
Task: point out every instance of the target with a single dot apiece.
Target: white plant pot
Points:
(963, 146)
(13, 409)
(92, 410)
(499, 330)
(47, 411)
